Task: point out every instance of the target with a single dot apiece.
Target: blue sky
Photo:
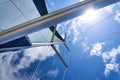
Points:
(95, 47)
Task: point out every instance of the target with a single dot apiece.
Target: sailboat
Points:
(16, 38)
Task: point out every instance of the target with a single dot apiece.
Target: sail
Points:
(19, 13)
(44, 36)
(46, 33)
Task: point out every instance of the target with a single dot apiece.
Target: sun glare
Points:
(89, 16)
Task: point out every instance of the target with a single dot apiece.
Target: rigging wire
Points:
(97, 24)
(64, 73)
(101, 34)
(68, 55)
(88, 56)
(105, 35)
(94, 26)
(32, 77)
(66, 69)
(82, 32)
(90, 27)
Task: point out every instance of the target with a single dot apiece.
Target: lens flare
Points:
(90, 16)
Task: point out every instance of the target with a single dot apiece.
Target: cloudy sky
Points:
(93, 40)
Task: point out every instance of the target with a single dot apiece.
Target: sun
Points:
(90, 16)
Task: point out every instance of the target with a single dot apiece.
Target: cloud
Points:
(6, 69)
(112, 9)
(76, 26)
(96, 50)
(105, 57)
(72, 28)
(111, 67)
(109, 9)
(31, 54)
(84, 44)
(53, 73)
(109, 57)
(117, 16)
(10, 71)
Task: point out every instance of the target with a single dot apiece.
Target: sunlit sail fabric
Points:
(46, 34)
(19, 14)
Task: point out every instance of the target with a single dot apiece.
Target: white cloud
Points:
(79, 24)
(52, 73)
(111, 67)
(96, 50)
(117, 16)
(113, 53)
(84, 44)
(74, 29)
(109, 57)
(109, 9)
(112, 9)
(40, 53)
(105, 57)
(118, 49)
(74, 40)
(6, 69)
